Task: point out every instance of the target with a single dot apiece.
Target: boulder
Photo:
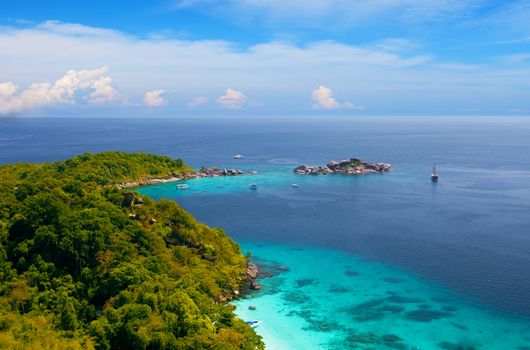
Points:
(332, 164)
(254, 285)
(302, 169)
(252, 271)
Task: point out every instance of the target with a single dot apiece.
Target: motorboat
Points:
(238, 156)
(182, 186)
(253, 187)
(253, 324)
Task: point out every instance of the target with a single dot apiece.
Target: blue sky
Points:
(209, 57)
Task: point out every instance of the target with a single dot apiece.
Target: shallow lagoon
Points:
(332, 300)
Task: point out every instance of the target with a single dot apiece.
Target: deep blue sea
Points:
(388, 261)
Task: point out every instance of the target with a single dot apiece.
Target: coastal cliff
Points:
(353, 166)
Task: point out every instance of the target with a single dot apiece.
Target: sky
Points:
(264, 57)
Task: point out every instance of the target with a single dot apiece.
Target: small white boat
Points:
(294, 185)
(253, 187)
(253, 172)
(182, 186)
(253, 324)
(238, 156)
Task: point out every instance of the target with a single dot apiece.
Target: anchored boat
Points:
(434, 174)
(253, 324)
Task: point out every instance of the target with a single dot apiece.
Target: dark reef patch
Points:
(323, 325)
(370, 340)
(295, 298)
(315, 323)
(395, 309)
(338, 289)
(391, 338)
(373, 310)
(396, 299)
(423, 315)
(393, 280)
(461, 326)
(305, 282)
(453, 346)
(351, 273)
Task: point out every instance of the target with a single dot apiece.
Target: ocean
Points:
(384, 261)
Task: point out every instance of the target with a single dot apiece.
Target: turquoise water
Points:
(331, 300)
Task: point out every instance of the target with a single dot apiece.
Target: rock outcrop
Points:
(215, 172)
(353, 166)
(252, 271)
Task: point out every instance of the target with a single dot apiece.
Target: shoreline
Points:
(203, 173)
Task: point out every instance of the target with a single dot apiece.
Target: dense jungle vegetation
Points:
(87, 265)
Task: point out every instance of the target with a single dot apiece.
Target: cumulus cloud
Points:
(323, 99)
(155, 98)
(63, 92)
(232, 99)
(197, 102)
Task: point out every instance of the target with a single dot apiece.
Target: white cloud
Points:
(63, 92)
(198, 102)
(155, 98)
(232, 99)
(323, 99)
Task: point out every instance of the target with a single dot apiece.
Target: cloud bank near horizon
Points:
(387, 77)
(94, 85)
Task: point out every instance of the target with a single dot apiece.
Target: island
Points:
(353, 166)
(86, 264)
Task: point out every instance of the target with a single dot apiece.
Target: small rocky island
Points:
(353, 166)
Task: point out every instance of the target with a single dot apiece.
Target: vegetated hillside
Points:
(85, 265)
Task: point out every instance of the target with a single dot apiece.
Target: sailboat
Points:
(434, 175)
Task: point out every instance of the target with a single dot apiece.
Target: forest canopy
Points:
(85, 264)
